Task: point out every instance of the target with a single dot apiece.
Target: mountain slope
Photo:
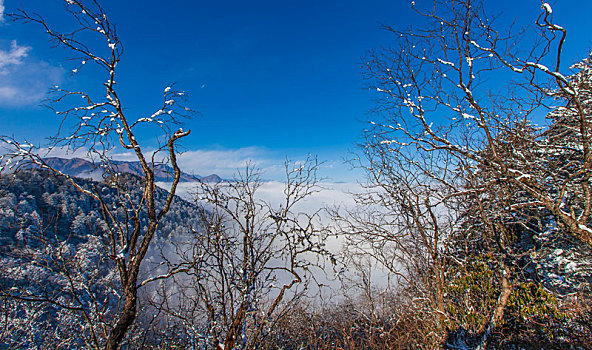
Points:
(54, 247)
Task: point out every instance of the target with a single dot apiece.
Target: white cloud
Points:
(24, 81)
(8, 92)
(226, 163)
(13, 56)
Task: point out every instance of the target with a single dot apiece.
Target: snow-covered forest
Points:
(472, 230)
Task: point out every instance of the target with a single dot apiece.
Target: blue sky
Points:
(270, 78)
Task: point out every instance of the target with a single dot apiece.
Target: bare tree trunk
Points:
(498, 313)
(127, 318)
(129, 240)
(234, 330)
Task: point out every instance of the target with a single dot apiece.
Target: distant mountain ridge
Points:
(79, 167)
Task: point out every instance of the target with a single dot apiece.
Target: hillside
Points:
(53, 244)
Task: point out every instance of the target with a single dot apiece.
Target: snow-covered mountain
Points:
(54, 246)
(83, 168)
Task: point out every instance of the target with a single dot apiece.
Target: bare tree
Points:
(455, 160)
(97, 124)
(439, 94)
(405, 222)
(248, 262)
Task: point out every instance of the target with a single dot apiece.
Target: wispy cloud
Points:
(271, 163)
(14, 56)
(226, 163)
(8, 92)
(63, 152)
(23, 80)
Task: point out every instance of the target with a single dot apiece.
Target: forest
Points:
(476, 209)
